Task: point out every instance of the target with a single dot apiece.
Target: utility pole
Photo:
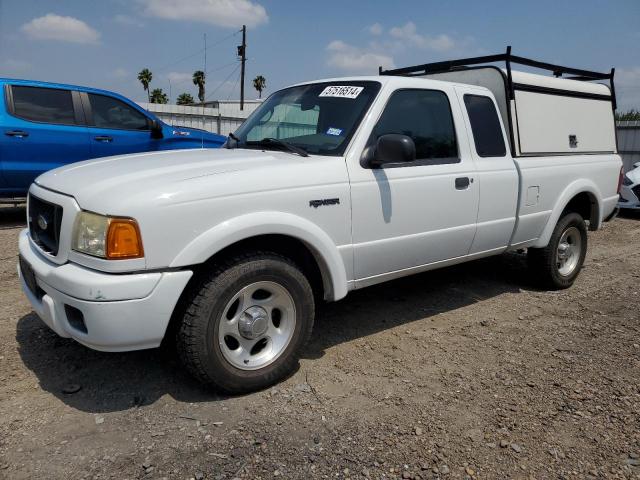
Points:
(204, 72)
(205, 60)
(242, 53)
(171, 116)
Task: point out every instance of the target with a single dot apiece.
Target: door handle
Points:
(16, 133)
(462, 183)
(103, 138)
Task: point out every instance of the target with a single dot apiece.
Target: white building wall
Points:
(629, 143)
(226, 118)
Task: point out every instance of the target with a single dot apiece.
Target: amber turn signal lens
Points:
(123, 239)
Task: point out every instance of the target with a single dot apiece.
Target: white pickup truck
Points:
(328, 187)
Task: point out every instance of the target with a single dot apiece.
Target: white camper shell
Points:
(546, 115)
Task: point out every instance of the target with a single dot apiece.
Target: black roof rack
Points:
(508, 58)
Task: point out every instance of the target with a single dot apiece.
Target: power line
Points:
(234, 87)
(198, 52)
(207, 72)
(223, 82)
(179, 61)
(222, 67)
(225, 38)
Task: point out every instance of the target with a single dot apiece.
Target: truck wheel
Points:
(558, 264)
(246, 323)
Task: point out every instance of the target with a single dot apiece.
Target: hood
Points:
(109, 185)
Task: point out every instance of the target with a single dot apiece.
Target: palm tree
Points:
(158, 96)
(184, 99)
(145, 77)
(631, 115)
(199, 81)
(259, 83)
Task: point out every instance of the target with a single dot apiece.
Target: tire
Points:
(221, 338)
(557, 265)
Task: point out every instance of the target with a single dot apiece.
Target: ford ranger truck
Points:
(329, 186)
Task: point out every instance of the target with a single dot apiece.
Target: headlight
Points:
(627, 181)
(107, 237)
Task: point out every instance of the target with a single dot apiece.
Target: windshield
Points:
(320, 118)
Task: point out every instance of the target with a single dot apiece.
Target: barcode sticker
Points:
(341, 91)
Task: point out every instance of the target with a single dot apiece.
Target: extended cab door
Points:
(41, 128)
(496, 177)
(409, 215)
(115, 127)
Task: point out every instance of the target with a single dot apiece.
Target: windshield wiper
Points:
(232, 141)
(275, 141)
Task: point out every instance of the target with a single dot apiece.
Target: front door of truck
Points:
(422, 212)
(115, 127)
(41, 128)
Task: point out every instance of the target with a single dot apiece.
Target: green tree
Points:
(199, 81)
(184, 99)
(630, 115)
(158, 96)
(259, 83)
(145, 77)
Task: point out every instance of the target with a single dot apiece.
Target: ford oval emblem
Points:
(42, 222)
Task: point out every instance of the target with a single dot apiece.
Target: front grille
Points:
(636, 191)
(45, 221)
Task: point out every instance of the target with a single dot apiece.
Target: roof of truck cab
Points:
(523, 78)
(384, 80)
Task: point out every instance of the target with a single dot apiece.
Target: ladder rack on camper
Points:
(546, 115)
(509, 59)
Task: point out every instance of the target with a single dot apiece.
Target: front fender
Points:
(251, 225)
(582, 185)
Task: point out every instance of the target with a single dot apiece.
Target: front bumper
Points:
(629, 204)
(626, 206)
(109, 312)
(630, 198)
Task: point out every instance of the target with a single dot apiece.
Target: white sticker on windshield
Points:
(334, 131)
(341, 91)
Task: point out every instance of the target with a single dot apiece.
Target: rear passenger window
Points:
(425, 116)
(487, 134)
(109, 112)
(49, 105)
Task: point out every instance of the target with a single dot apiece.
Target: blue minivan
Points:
(46, 125)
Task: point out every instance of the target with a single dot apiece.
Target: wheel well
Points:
(586, 205)
(293, 248)
(296, 250)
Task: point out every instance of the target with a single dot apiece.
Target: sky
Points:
(106, 43)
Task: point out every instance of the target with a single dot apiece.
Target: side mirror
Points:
(393, 148)
(156, 129)
(636, 165)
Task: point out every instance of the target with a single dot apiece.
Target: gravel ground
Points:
(466, 372)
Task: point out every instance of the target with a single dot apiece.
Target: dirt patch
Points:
(463, 372)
